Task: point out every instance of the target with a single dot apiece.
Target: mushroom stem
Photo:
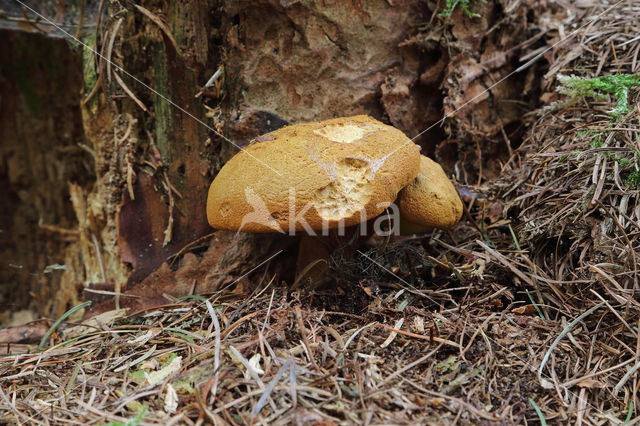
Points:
(315, 252)
(314, 255)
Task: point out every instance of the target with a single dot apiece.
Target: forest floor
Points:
(526, 312)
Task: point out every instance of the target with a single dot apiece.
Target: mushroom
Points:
(324, 178)
(313, 177)
(430, 201)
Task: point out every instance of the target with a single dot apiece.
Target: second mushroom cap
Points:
(430, 201)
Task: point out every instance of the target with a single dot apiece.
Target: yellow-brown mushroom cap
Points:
(430, 201)
(324, 174)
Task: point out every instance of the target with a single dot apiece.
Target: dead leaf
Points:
(95, 323)
(525, 310)
(170, 399)
(590, 383)
(165, 372)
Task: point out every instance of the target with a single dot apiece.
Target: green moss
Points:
(633, 180)
(132, 422)
(163, 109)
(450, 6)
(136, 407)
(594, 135)
(617, 85)
(187, 385)
(628, 169)
(88, 65)
(623, 161)
(596, 142)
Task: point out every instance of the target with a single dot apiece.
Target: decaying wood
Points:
(40, 128)
(157, 137)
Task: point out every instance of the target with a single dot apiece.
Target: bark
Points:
(281, 61)
(154, 130)
(40, 151)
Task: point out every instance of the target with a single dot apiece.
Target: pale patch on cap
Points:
(347, 133)
(349, 191)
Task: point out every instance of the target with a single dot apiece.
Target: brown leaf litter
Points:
(529, 303)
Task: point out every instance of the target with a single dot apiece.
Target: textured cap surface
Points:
(306, 176)
(431, 200)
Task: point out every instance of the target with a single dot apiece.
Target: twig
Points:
(161, 25)
(564, 332)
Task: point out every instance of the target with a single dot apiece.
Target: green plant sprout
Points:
(618, 85)
(450, 6)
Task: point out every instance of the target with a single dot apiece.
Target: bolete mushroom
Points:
(321, 177)
(429, 201)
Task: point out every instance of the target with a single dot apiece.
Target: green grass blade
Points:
(62, 318)
(543, 422)
(535, 305)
